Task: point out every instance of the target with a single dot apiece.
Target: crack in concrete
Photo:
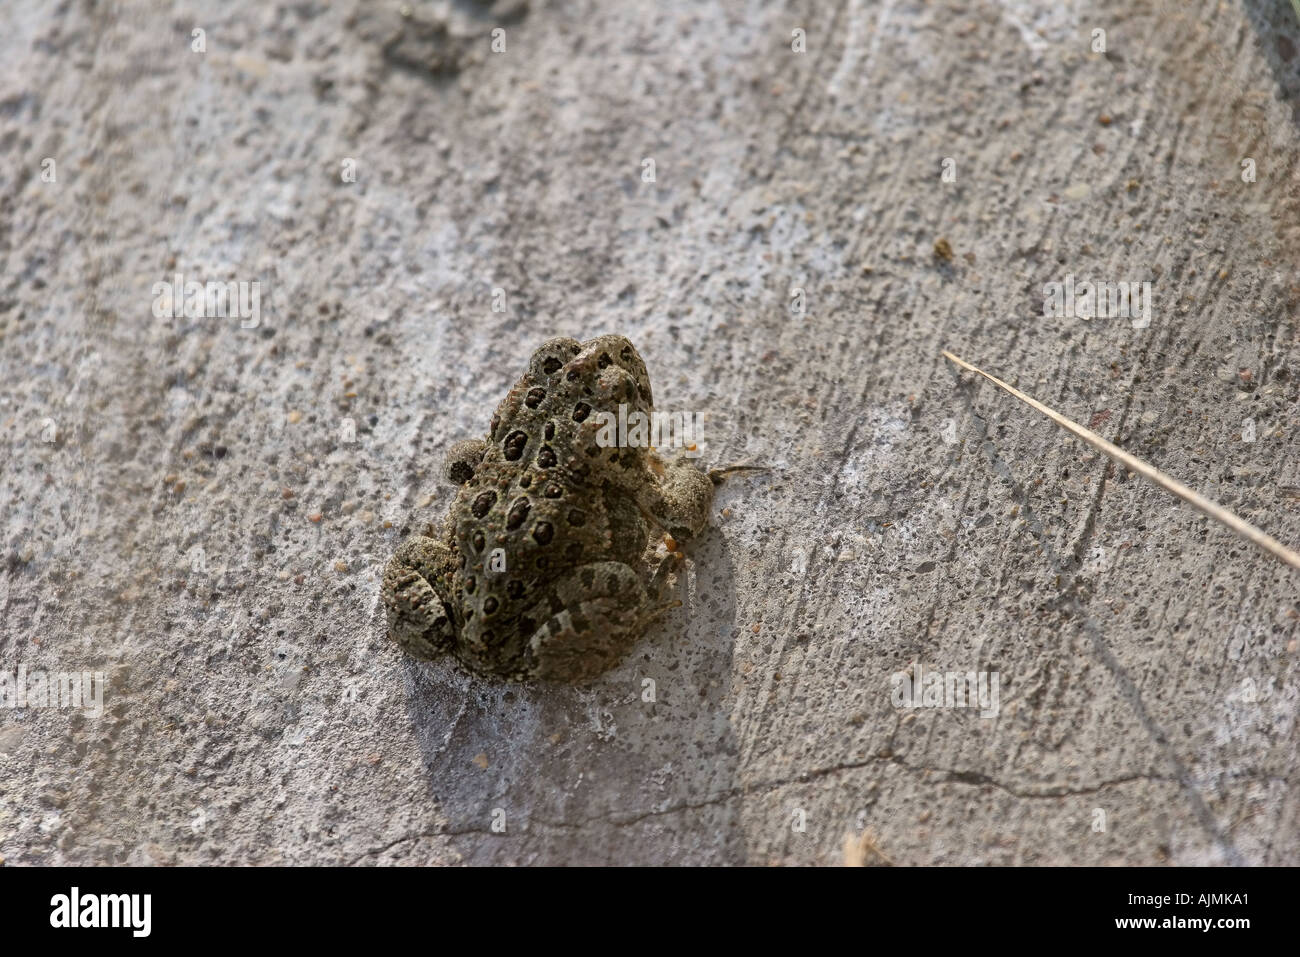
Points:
(952, 775)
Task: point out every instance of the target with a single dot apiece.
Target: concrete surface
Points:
(200, 511)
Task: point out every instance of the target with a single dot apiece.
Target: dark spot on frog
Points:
(518, 512)
(543, 533)
(514, 445)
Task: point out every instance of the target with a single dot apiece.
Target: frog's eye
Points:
(552, 354)
(462, 460)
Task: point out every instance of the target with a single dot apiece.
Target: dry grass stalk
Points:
(1134, 464)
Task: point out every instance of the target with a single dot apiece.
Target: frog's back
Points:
(547, 496)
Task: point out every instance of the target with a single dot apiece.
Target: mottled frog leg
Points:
(419, 619)
(594, 616)
(679, 502)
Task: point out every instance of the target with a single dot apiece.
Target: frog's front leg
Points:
(593, 616)
(678, 503)
(415, 592)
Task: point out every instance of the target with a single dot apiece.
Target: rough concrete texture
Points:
(202, 511)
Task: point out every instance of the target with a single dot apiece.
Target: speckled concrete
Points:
(200, 508)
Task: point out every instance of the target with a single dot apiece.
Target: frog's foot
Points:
(658, 587)
(462, 461)
(594, 616)
(418, 618)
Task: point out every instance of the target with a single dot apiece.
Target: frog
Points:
(546, 566)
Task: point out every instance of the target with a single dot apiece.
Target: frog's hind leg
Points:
(594, 616)
(419, 619)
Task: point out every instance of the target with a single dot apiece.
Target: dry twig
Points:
(1134, 464)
